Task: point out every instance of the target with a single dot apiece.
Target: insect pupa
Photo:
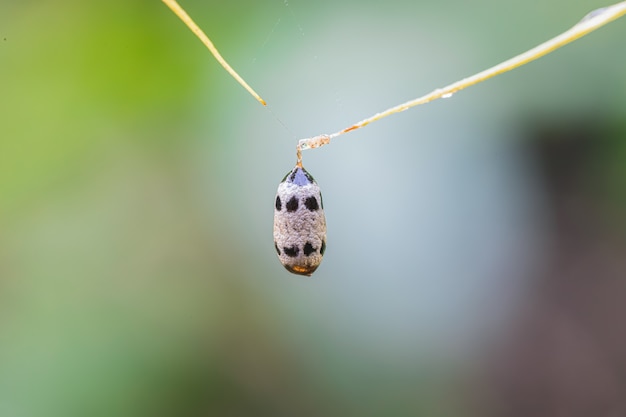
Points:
(299, 222)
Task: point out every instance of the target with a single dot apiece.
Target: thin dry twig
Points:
(180, 12)
(589, 23)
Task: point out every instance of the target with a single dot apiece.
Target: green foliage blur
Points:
(133, 279)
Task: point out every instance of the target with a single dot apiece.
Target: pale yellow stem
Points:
(180, 12)
(589, 23)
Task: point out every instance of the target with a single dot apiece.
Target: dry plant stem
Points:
(180, 12)
(589, 23)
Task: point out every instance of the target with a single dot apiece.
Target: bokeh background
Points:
(476, 246)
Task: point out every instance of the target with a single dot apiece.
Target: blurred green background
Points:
(475, 261)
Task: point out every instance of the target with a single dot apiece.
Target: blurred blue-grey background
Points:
(476, 245)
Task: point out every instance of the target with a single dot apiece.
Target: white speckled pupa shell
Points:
(299, 223)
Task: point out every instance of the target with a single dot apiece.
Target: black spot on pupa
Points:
(292, 204)
(308, 249)
(276, 247)
(323, 248)
(311, 203)
(279, 204)
(292, 251)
